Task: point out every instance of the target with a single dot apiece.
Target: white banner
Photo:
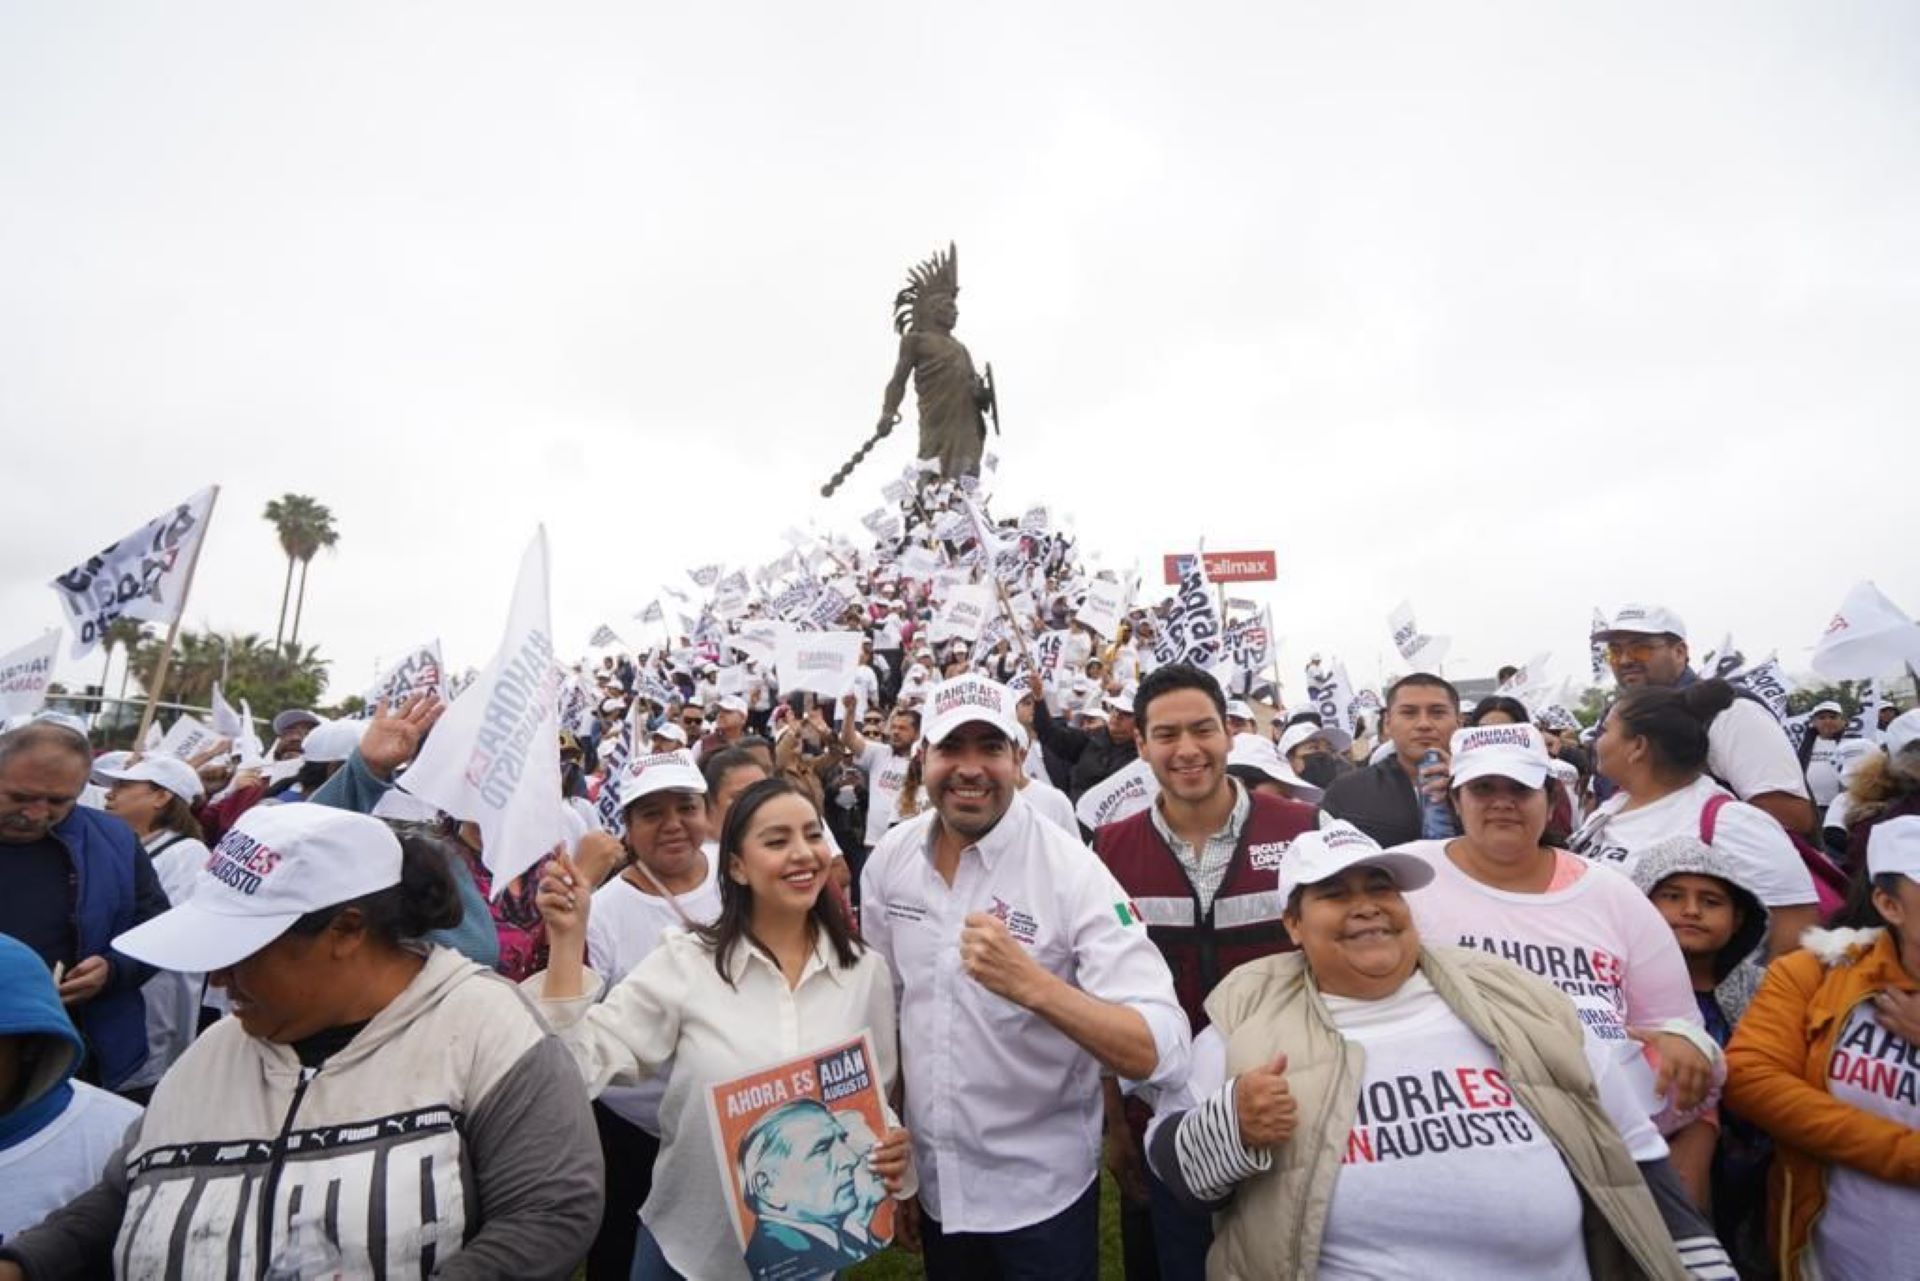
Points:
(730, 596)
(823, 662)
(1528, 683)
(1769, 681)
(418, 671)
(24, 675)
(759, 639)
(226, 721)
(1120, 796)
(141, 576)
(494, 758)
(1330, 693)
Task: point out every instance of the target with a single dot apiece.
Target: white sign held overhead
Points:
(25, 674)
(822, 663)
(492, 758)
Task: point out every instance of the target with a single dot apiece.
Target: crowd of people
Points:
(1436, 990)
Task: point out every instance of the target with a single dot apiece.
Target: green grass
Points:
(898, 1265)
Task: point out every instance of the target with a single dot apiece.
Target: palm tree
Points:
(303, 527)
(273, 678)
(321, 533)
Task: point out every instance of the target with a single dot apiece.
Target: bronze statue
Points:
(952, 396)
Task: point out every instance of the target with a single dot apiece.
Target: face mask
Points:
(1322, 769)
(845, 798)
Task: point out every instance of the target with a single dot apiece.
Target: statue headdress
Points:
(938, 276)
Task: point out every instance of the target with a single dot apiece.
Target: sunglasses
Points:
(1638, 651)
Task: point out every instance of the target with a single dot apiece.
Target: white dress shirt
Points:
(1005, 1109)
(674, 1007)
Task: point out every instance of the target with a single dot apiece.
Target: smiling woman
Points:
(1471, 1094)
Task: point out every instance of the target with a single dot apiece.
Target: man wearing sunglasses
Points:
(1746, 748)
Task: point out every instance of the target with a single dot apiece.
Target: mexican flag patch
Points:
(1127, 912)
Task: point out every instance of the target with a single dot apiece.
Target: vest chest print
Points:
(1266, 856)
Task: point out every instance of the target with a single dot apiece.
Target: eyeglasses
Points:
(1637, 650)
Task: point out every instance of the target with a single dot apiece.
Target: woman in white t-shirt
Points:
(154, 796)
(1370, 1106)
(1827, 1061)
(1585, 929)
(777, 977)
(1653, 748)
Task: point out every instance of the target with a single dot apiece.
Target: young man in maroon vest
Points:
(1201, 864)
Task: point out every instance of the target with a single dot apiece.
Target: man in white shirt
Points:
(1023, 972)
(884, 764)
(1746, 748)
(1829, 752)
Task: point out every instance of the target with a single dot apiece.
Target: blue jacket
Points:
(30, 1007)
(114, 890)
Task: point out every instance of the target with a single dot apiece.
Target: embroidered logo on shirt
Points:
(1265, 857)
(1018, 923)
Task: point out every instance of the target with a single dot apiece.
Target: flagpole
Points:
(173, 630)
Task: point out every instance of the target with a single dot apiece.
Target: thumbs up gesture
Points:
(1266, 1109)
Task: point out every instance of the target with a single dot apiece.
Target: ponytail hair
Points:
(1674, 721)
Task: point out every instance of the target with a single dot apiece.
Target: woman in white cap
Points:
(1498, 888)
(1372, 1106)
(155, 797)
(1827, 1061)
(778, 975)
(371, 1108)
(1653, 748)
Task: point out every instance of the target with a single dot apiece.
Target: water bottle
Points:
(1436, 817)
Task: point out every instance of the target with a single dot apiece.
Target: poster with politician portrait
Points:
(792, 1144)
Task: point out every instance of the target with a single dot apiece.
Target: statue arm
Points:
(897, 385)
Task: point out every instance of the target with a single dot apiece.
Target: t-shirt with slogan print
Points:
(1442, 1150)
(886, 777)
(1871, 1228)
(1595, 937)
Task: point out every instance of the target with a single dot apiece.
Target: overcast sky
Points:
(1510, 309)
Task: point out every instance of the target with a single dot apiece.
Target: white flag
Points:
(226, 721)
(1528, 682)
(24, 675)
(652, 613)
(962, 614)
(1869, 636)
(1330, 693)
(1424, 652)
(494, 758)
(1120, 796)
(603, 636)
(418, 671)
(1106, 602)
(823, 662)
(141, 576)
(247, 742)
(187, 738)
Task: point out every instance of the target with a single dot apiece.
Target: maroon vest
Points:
(1244, 922)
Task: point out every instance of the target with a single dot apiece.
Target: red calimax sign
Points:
(1225, 567)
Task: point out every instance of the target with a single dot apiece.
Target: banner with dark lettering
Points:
(418, 671)
(24, 676)
(792, 1142)
(822, 662)
(141, 576)
(494, 757)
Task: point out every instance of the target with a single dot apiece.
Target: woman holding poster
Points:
(780, 1029)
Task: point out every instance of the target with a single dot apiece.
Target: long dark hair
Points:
(735, 923)
(1674, 721)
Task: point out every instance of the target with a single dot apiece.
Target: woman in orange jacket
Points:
(1827, 1061)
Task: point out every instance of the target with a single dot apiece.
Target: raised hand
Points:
(393, 738)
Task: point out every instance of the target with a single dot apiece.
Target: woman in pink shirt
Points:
(1586, 929)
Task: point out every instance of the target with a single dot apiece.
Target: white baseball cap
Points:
(1893, 845)
(1238, 710)
(1325, 852)
(1518, 752)
(1121, 701)
(1643, 620)
(331, 741)
(275, 865)
(1828, 706)
(1259, 754)
(105, 763)
(732, 703)
(671, 731)
(1294, 735)
(1902, 732)
(169, 772)
(965, 699)
(659, 772)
